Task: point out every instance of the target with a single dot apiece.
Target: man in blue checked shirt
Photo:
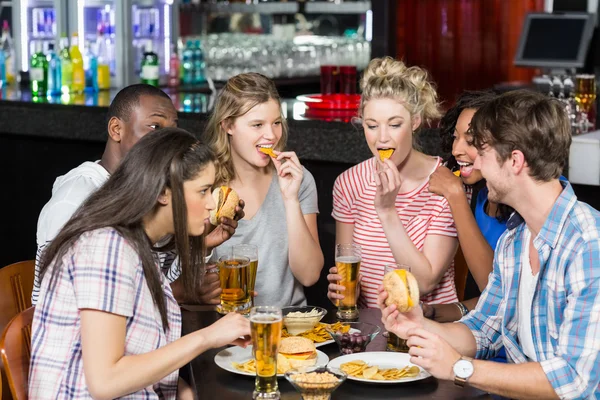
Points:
(542, 301)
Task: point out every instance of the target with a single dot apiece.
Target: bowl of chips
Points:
(315, 383)
(356, 339)
(301, 319)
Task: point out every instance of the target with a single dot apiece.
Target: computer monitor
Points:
(555, 40)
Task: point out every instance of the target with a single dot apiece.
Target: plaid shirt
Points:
(101, 271)
(566, 305)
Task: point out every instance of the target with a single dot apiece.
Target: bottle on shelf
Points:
(6, 44)
(174, 67)
(38, 71)
(188, 64)
(54, 72)
(103, 56)
(199, 64)
(78, 84)
(90, 65)
(150, 72)
(3, 81)
(66, 65)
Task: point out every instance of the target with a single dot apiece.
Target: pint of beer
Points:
(585, 91)
(233, 273)
(265, 325)
(347, 262)
(395, 343)
(251, 252)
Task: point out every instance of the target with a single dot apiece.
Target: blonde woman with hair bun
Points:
(383, 204)
(248, 133)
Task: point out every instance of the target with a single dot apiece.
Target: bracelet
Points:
(461, 307)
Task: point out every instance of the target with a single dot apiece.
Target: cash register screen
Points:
(555, 40)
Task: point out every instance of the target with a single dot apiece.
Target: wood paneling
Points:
(465, 44)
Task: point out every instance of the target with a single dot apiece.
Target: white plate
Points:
(382, 359)
(226, 357)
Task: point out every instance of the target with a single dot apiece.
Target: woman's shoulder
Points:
(107, 239)
(360, 172)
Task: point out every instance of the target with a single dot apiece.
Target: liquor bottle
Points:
(3, 81)
(54, 72)
(188, 64)
(78, 84)
(150, 72)
(9, 52)
(199, 64)
(38, 71)
(90, 65)
(103, 62)
(174, 67)
(66, 65)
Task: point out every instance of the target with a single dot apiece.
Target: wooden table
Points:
(214, 383)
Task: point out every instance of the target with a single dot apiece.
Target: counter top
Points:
(82, 117)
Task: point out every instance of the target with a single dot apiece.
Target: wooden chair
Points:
(461, 270)
(15, 347)
(16, 284)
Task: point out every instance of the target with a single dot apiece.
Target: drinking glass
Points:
(347, 261)
(251, 252)
(233, 274)
(395, 343)
(265, 326)
(585, 96)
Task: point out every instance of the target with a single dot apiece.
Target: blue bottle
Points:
(2, 69)
(187, 63)
(91, 69)
(54, 72)
(199, 64)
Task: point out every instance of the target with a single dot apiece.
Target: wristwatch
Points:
(463, 369)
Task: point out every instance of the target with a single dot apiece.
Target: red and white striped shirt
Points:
(422, 213)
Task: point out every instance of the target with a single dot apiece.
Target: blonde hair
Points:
(386, 78)
(241, 93)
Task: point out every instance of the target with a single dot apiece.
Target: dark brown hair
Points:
(162, 159)
(530, 122)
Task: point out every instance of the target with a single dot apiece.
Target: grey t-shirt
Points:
(275, 283)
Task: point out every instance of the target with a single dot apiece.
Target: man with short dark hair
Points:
(135, 111)
(542, 300)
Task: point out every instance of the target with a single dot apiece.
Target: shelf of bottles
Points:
(38, 28)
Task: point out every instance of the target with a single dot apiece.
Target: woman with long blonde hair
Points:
(280, 195)
(384, 205)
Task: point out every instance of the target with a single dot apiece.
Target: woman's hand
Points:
(233, 328)
(333, 288)
(210, 290)
(444, 183)
(290, 173)
(395, 321)
(388, 183)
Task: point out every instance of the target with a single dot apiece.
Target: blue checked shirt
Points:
(565, 311)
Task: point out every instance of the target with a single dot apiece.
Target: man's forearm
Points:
(518, 381)
(457, 334)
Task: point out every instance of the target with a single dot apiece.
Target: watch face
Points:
(463, 369)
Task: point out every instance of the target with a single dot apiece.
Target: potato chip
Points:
(267, 150)
(370, 372)
(360, 369)
(457, 172)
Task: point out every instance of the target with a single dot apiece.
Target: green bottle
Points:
(38, 72)
(150, 72)
(65, 64)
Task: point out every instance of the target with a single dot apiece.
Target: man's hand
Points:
(431, 352)
(210, 291)
(225, 230)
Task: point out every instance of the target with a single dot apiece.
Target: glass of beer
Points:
(395, 343)
(250, 251)
(265, 326)
(347, 262)
(585, 96)
(233, 273)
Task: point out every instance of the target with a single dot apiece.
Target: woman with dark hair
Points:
(107, 324)
(480, 223)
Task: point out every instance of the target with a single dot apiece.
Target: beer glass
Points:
(395, 343)
(265, 326)
(585, 96)
(347, 262)
(233, 274)
(251, 252)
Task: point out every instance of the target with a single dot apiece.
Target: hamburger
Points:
(402, 289)
(295, 352)
(384, 154)
(226, 199)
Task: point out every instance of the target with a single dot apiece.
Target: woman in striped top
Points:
(385, 205)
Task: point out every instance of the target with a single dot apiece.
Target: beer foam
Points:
(348, 259)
